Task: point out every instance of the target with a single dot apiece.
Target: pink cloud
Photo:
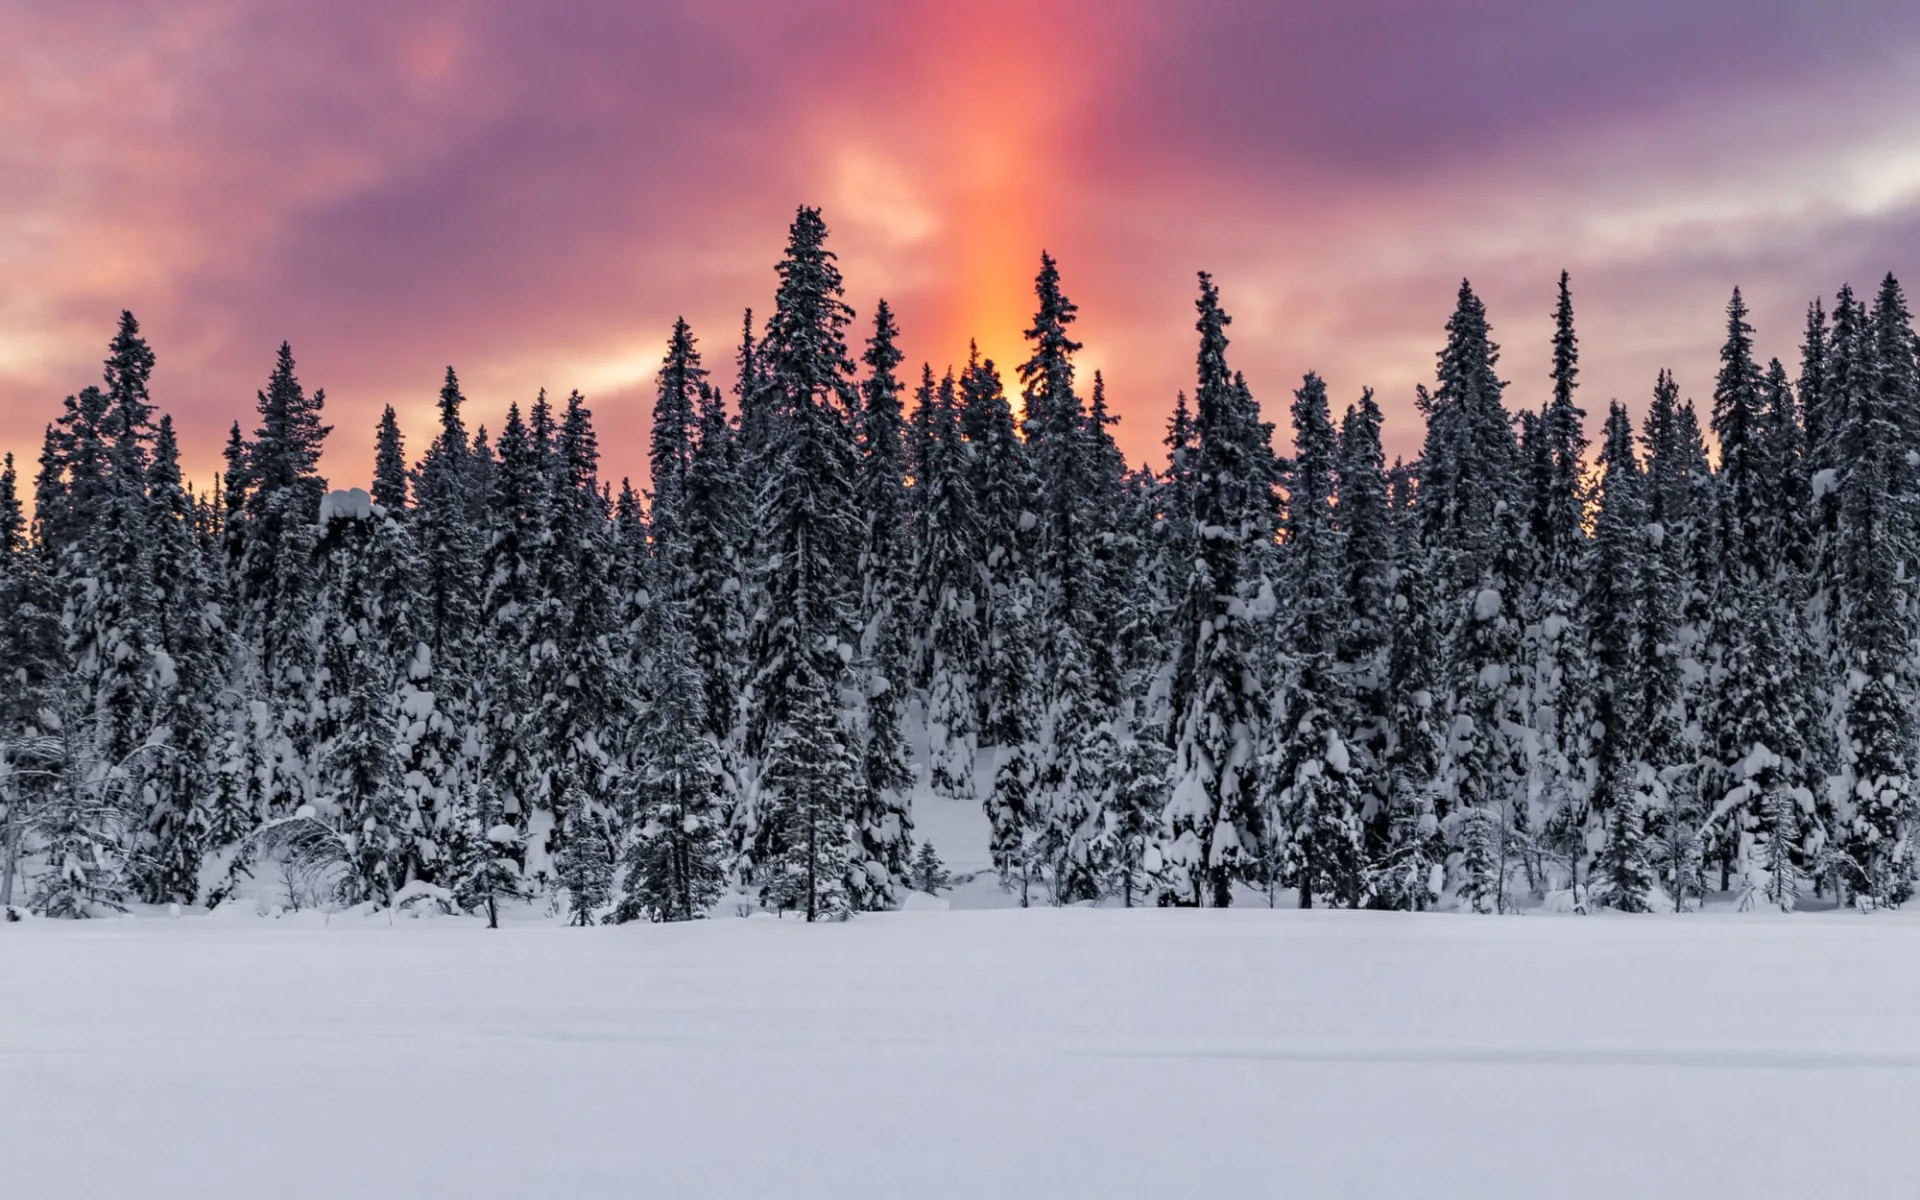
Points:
(534, 194)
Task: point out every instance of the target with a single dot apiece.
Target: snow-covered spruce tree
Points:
(681, 392)
(484, 866)
(1002, 490)
(71, 483)
(356, 768)
(808, 521)
(517, 528)
(674, 865)
(108, 570)
(1752, 729)
(1116, 525)
(1004, 683)
(1837, 361)
(1562, 682)
(442, 733)
(81, 821)
(1791, 524)
(946, 577)
(1666, 778)
(1878, 626)
(636, 581)
(930, 875)
(1613, 627)
(1407, 849)
(715, 535)
(1820, 412)
(390, 489)
(595, 699)
(1212, 827)
(813, 777)
(1075, 772)
(191, 658)
(881, 653)
(420, 729)
(597, 579)
(585, 866)
(1314, 800)
(1171, 545)
(1470, 489)
(275, 581)
(682, 384)
(1003, 498)
(1143, 766)
(33, 668)
(1075, 744)
(1145, 604)
(13, 555)
(1363, 632)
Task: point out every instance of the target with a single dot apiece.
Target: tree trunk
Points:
(813, 862)
(9, 851)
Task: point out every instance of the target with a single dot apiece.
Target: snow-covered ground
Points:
(1043, 1053)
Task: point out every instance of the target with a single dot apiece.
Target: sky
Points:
(533, 193)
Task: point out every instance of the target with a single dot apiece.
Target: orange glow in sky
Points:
(534, 193)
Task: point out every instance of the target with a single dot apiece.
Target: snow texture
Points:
(1150, 1053)
(351, 505)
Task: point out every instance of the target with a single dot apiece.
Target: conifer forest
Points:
(1562, 658)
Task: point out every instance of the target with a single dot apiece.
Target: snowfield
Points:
(1044, 1053)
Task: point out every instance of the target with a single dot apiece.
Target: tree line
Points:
(1521, 668)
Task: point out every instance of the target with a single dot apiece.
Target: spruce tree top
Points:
(389, 464)
(1047, 377)
(129, 368)
(286, 448)
(805, 350)
(12, 522)
(882, 388)
(453, 431)
(682, 379)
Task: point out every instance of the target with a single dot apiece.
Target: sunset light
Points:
(959, 599)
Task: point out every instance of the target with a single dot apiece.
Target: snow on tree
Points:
(1213, 826)
(1877, 624)
(274, 579)
(1003, 678)
(1666, 784)
(517, 528)
(673, 859)
(929, 873)
(585, 866)
(813, 778)
(946, 577)
(881, 654)
(1613, 593)
(1075, 746)
(1470, 489)
(1407, 847)
(1364, 617)
(716, 540)
(357, 770)
(191, 653)
(1308, 769)
(485, 866)
(1508, 663)
(1563, 682)
(806, 630)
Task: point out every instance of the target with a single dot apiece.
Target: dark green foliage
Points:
(813, 777)
(929, 873)
(1214, 825)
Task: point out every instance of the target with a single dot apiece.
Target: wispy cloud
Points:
(533, 194)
